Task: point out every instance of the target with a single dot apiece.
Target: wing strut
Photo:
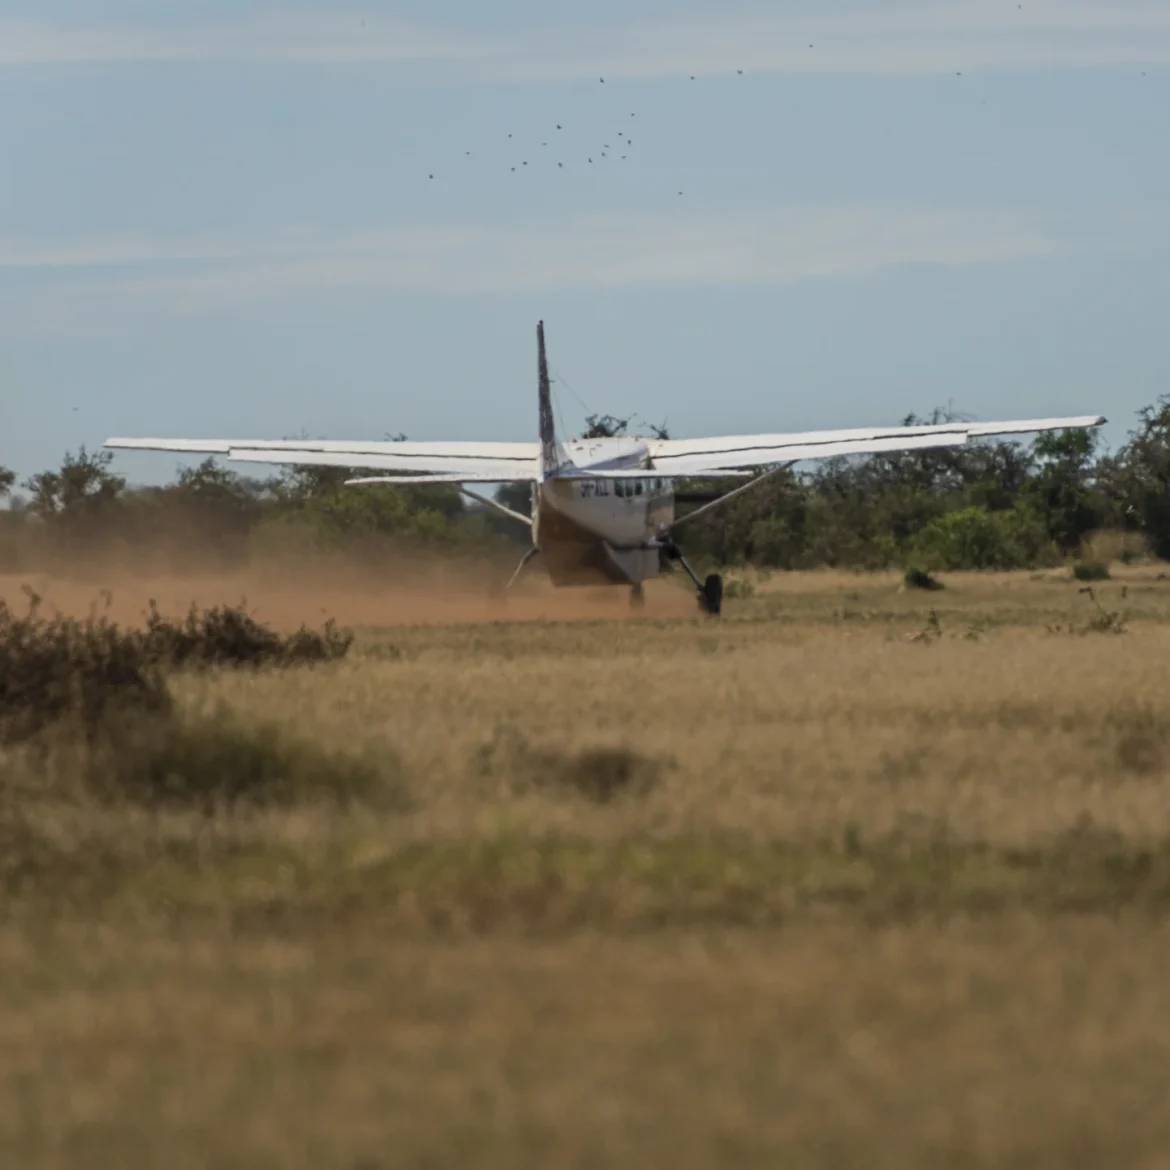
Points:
(747, 487)
(496, 506)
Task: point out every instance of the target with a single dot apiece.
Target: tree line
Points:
(991, 504)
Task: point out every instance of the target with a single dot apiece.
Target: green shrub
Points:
(1091, 571)
(977, 538)
(1113, 544)
(738, 589)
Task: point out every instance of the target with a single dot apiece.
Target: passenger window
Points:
(639, 488)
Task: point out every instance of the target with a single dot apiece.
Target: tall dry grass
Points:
(857, 876)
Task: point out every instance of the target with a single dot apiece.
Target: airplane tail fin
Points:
(550, 451)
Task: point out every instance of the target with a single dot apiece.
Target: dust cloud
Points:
(435, 593)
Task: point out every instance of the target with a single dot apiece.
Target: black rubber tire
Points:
(712, 595)
(637, 596)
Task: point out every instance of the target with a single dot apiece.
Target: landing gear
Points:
(711, 595)
(637, 596)
(520, 568)
(710, 591)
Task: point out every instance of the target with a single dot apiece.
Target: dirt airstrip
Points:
(355, 599)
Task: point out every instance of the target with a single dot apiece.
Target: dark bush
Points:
(1091, 571)
(62, 669)
(601, 774)
(230, 636)
(58, 669)
(218, 762)
(918, 579)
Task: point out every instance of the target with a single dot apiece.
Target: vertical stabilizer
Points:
(550, 456)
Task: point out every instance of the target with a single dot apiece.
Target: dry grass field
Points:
(853, 877)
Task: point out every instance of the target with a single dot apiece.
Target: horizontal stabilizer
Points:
(486, 470)
(415, 480)
(567, 471)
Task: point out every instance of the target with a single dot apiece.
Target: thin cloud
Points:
(292, 38)
(62, 286)
(115, 252)
(877, 38)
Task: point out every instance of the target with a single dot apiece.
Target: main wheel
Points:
(711, 597)
(637, 596)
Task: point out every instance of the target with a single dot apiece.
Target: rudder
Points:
(550, 458)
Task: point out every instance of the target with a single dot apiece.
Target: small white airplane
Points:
(602, 509)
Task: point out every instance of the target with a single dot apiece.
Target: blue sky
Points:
(217, 218)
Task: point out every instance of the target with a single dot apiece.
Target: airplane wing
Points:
(696, 456)
(473, 462)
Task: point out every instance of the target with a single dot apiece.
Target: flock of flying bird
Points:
(607, 150)
(620, 153)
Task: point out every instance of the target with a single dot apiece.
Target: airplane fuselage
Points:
(606, 528)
